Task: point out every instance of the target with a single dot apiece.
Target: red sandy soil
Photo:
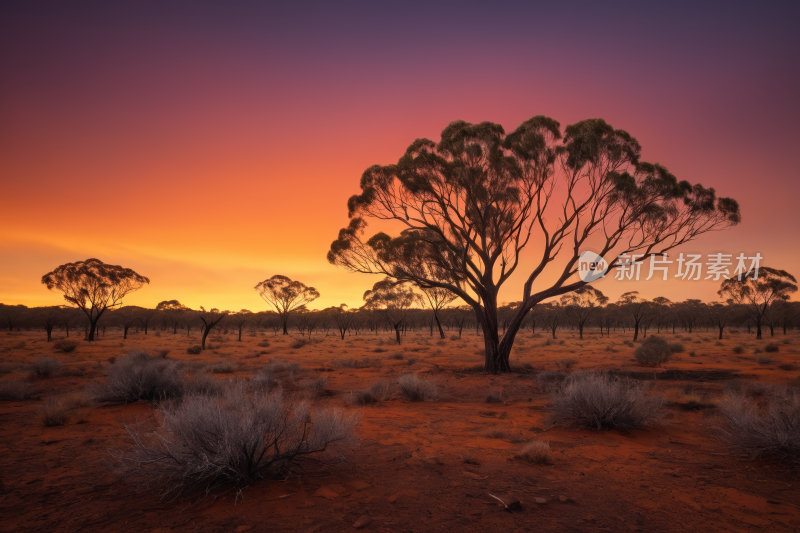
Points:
(409, 473)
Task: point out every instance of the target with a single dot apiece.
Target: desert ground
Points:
(418, 466)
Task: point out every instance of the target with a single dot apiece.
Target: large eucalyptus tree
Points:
(469, 205)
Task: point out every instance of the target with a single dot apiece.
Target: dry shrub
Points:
(548, 380)
(738, 349)
(263, 344)
(316, 387)
(397, 356)
(163, 353)
(566, 362)
(7, 368)
(277, 366)
(676, 347)
(417, 389)
(787, 366)
(203, 384)
(13, 390)
(763, 360)
(45, 367)
(137, 376)
(298, 343)
(18, 346)
(771, 347)
(772, 431)
(598, 400)
(653, 351)
(221, 367)
(65, 345)
(536, 452)
(378, 392)
(194, 350)
(353, 363)
(76, 400)
(53, 412)
(207, 444)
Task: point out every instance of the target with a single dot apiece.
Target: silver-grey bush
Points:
(206, 443)
(599, 400)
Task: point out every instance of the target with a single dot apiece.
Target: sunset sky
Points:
(210, 146)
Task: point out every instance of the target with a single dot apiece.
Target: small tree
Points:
(756, 295)
(93, 287)
(395, 299)
(286, 296)
(240, 319)
(579, 304)
(210, 319)
(636, 309)
(438, 299)
(343, 318)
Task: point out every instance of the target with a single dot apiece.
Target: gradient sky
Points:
(209, 146)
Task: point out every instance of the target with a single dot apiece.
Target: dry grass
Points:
(772, 431)
(535, 452)
(53, 412)
(65, 345)
(417, 389)
(13, 390)
(379, 391)
(45, 367)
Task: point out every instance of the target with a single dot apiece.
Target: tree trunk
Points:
(92, 329)
(205, 334)
(439, 325)
(285, 321)
(636, 331)
(124, 332)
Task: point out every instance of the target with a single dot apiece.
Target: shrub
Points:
(45, 367)
(253, 437)
(535, 452)
(13, 390)
(785, 341)
(163, 353)
(7, 368)
(417, 389)
(411, 360)
(692, 353)
(548, 342)
(194, 350)
(771, 347)
(763, 360)
(719, 343)
(774, 431)
(65, 345)
(298, 343)
(566, 362)
(53, 412)
(379, 391)
(676, 347)
(137, 376)
(222, 367)
(598, 400)
(628, 343)
(610, 348)
(277, 366)
(353, 363)
(316, 387)
(494, 398)
(264, 343)
(549, 380)
(653, 351)
(203, 384)
(738, 349)
(787, 366)
(380, 350)
(76, 400)
(396, 356)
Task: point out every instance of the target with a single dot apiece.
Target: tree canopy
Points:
(468, 206)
